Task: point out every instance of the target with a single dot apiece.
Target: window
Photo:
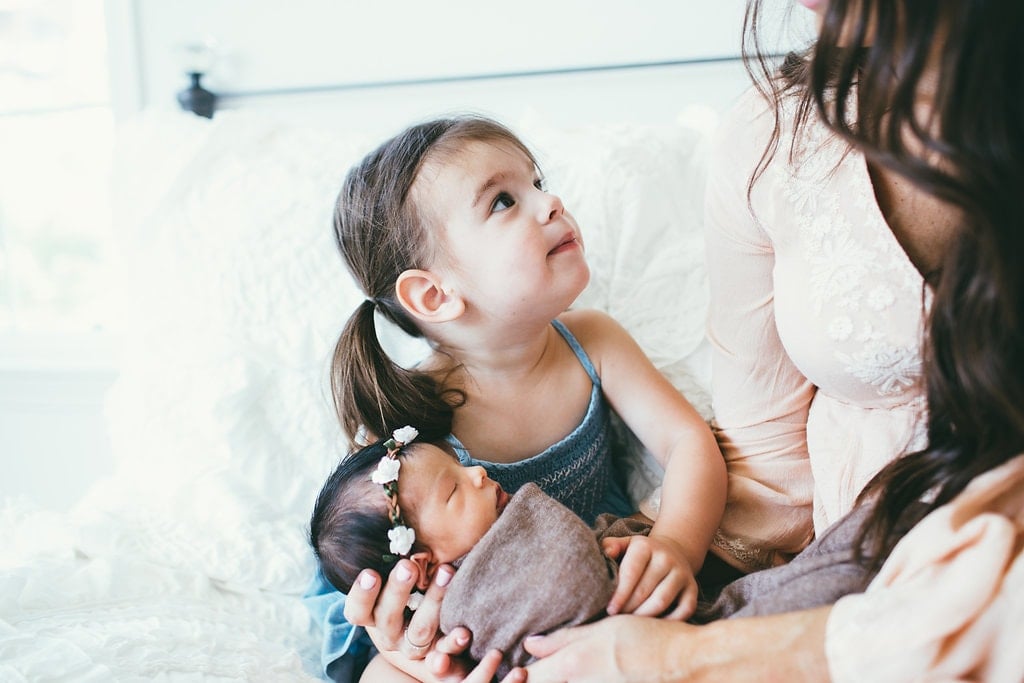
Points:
(56, 133)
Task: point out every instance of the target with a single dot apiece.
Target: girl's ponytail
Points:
(381, 233)
(372, 391)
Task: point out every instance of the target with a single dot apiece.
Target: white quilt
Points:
(188, 563)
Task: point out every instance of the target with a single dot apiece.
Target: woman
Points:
(905, 117)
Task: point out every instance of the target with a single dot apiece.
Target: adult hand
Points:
(381, 610)
(655, 578)
(783, 647)
(621, 648)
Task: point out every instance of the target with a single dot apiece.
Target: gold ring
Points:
(414, 646)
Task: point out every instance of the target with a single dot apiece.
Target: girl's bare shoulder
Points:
(595, 330)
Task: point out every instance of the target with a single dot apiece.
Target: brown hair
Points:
(974, 349)
(381, 233)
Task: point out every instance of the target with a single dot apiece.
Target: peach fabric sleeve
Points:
(948, 605)
(760, 399)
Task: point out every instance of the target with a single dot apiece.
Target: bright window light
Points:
(56, 136)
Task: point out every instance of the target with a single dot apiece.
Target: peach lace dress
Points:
(815, 325)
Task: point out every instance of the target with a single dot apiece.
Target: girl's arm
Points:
(658, 570)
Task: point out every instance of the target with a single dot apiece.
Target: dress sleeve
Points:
(760, 399)
(948, 604)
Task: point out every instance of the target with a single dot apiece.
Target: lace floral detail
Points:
(837, 271)
(840, 328)
(881, 297)
(754, 558)
(857, 274)
(888, 369)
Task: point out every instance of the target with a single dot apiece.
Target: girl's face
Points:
(510, 248)
(450, 506)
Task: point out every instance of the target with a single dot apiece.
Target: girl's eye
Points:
(452, 494)
(540, 184)
(502, 201)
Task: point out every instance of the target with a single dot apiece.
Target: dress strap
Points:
(577, 348)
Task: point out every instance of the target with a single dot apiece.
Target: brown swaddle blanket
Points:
(539, 568)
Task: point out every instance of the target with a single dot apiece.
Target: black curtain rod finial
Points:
(196, 98)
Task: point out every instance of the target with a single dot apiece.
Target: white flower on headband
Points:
(387, 471)
(405, 435)
(402, 538)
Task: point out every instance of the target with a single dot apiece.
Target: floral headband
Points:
(401, 536)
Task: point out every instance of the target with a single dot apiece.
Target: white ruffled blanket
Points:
(188, 562)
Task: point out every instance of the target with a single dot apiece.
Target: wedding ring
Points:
(416, 648)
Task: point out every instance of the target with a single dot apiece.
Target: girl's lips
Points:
(502, 500)
(565, 245)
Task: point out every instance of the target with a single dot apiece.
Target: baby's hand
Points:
(655, 579)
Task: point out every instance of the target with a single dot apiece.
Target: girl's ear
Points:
(425, 562)
(421, 294)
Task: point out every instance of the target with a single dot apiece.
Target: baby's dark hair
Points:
(381, 233)
(349, 525)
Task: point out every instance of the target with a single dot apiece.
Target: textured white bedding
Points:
(188, 563)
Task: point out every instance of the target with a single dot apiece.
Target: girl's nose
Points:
(551, 207)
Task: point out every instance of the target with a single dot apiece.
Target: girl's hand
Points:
(382, 610)
(622, 648)
(655, 578)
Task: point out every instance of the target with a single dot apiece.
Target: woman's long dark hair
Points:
(381, 233)
(970, 154)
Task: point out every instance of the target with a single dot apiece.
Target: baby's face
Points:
(450, 506)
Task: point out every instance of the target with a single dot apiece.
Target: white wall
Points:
(304, 46)
(53, 435)
(266, 45)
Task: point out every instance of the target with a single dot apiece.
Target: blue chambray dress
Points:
(577, 471)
